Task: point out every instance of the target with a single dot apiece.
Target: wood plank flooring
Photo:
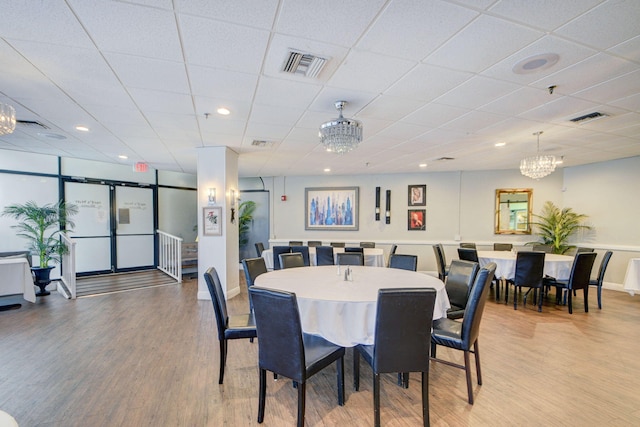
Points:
(150, 358)
(121, 282)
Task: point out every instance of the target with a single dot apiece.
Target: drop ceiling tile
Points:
(476, 92)
(281, 116)
(474, 121)
(158, 101)
(613, 89)
(267, 131)
(146, 73)
(537, 13)
(239, 110)
(253, 13)
(631, 103)
(519, 101)
(390, 108)
(629, 49)
(218, 125)
(434, 115)
(369, 72)
(427, 82)
(400, 131)
(222, 84)
(284, 93)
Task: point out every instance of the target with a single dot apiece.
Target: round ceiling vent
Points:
(536, 63)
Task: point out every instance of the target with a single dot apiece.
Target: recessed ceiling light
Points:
(223, 111)
(82, 128)
(327, 170)
(536, 63)
(123, 157)
(422, 165)
(500, 144)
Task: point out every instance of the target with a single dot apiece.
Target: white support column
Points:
(218, 168)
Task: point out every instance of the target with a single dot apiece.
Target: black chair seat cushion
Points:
(447, 332)
(240, 326)
(318, 353)
(455, 312)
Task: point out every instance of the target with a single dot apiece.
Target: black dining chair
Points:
(352, 249)
(464, 335)
(304, 250)
(324, 255)
(548, 249)
(441, 261)
(367, 244)
(291, 260)
(578, 279)
(337, 244)
(314, 243)
(295, 242)
(350, 258)
(468, 254)
(408, 310)
(277, 250)
(502, 246)
(576, 250)
(468, 245)
(259, 248)
(286, 351)
(404, 262)
(598, 281)
(253, 267)
(229, 327)
(461, 277)
(529, 274)
(392, 251)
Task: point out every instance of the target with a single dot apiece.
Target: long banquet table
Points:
(558, 266)
(373, 257)
(15, 278)
(344, 312)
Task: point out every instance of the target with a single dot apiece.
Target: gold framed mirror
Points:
(513, 210)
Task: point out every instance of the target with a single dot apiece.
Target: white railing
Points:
(170, 255)
(68, 266)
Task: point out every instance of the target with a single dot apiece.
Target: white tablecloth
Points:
(632, 277)
(373, 257)
(558, 266)
(15, 278)
(345, 312)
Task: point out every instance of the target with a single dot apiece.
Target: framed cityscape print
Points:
(331, 208)
(417, 195)
(415, 220)
(212, 221)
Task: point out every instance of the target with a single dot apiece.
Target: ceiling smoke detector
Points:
(303, 64)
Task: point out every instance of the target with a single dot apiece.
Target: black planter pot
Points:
(42, 279)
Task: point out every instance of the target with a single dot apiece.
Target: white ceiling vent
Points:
(303, 64)
(444, 159)
(262, 143)
(30, 124)
(588, 118)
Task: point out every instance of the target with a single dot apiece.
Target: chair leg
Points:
(515, 298)
(599, 297)
(356, 370)
(302, 394)
(540, 301)
(433, 349)
(262, 394)
(586, 299)
(569, 300)
(467, 371)
(425, 399)
(376, 400)
(477, 356)
(340, 369)
(223, 360)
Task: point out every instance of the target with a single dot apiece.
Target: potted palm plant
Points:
(41, 226)
(555, 226)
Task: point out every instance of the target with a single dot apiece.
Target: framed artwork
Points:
(212, 221)
(416, 218)
(331, 208)
(417, 195)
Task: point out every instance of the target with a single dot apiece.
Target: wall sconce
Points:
(387, 213)
(377, 203)
(232, 196)
(212, 196)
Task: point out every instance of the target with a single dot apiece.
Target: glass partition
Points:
(513, 210)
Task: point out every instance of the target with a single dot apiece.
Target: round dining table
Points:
(373, 257)
(555, 265)
(342, 311)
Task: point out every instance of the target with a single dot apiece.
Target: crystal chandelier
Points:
(538, 166)
(7, 119)
(341, 135)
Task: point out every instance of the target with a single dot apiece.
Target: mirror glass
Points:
(513, 210)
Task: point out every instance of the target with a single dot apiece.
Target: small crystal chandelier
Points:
(341, 135)
(538, 166)
(7, 119)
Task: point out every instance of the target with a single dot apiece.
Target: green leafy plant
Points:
(555, 226)
(245, 216)
(34, 225)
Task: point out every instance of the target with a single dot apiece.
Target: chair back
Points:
(259, 248)
(529, 269)
(324, 255)
(468, 245)
(542, 248)
(581, 270)
(281, 348)
(403, 329)
(502, 246)
(440, 261)
(291, 260)
(295, 242)
(304, 250)
(253, 267)
(461, 277)
(475, 305)
(404, 262)
(337, 244)
(350, 258)
(468, 254)
(603, 266)
(367, 244)
(277, 250)
(393, 250)
(217, 298)
(352, 249)
(314, 243)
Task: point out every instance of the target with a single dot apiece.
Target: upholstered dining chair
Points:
(502, 246)
(441, 261)
(259, 248)
(350, 258)
(461, 277)
(542, 248)
(304, 250)
(367, 244)
(277, 250)
(529, 274)
(404, 262)
(578, 279)
(468, 254)
(291, 260)
(295, 242)
(337, 244)
(324, 255)
(464, 335)
(314, 243)
(468, 245)
(392, 251)
(229, 327)
(286, 351)
(253, 267)
(576, 250)
(598, 281)
(354, 249)
(411, 311)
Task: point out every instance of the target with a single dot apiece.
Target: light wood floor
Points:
(150, 358)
